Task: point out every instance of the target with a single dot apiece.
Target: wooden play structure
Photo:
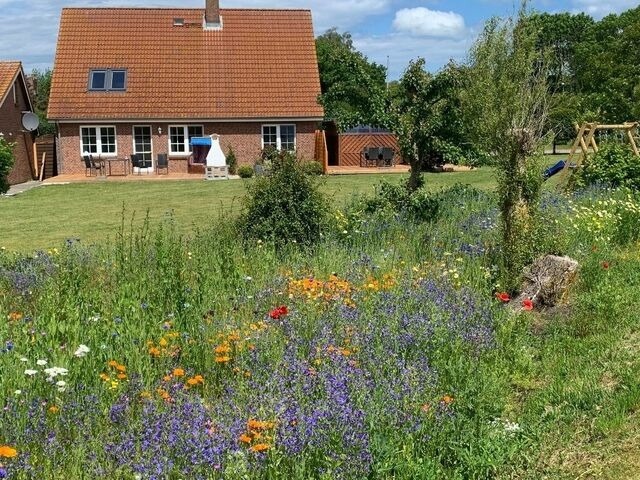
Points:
(586, 142)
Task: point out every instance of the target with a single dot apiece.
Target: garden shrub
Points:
(245, 171)
(6, 163)
(614, 165)
(284, 207)
(313, 168)
(232, 161)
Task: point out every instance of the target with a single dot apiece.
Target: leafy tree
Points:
(506, 104)
(353, 89)
(6, 163)
(424, 116)
(42, 80)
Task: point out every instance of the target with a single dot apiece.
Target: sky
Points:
(389, 32)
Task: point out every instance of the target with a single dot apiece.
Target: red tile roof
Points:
(261, 64)
(8, 73)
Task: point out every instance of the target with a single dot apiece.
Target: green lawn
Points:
(44, 217)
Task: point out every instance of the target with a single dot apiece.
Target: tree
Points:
(6, 163)
(506, 103)
(424, 117)
(42, 82)
(353, 89)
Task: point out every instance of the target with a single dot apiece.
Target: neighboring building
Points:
(14, 102)
(135, 80)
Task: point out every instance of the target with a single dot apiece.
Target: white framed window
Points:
(108, 80)
(281, 137)
(98, 140)
(142, 142)
(180, 138)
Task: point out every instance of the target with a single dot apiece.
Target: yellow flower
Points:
(260, 447)
(163, 342)
(8, 452)
(53, 409)
(224, 359)
(178, 372)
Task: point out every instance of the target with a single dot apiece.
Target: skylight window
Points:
(108, 80)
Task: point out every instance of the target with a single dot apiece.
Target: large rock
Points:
(547, 281)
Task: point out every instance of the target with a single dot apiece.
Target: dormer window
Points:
(108, 80)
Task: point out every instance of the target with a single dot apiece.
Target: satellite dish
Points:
(30, 121)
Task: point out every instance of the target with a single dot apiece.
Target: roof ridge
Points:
(247, 9)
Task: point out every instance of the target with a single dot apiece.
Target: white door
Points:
(143, 147)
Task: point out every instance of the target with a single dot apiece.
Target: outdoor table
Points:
(125, 165)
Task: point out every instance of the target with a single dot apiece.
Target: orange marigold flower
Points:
(112, 363)
(122, 376)
(53, 409)
(15, 316)
(260, 447)
(178, 372)
(447, 399)
(8, 452)
(224, 359)
(154, 351)
(258, 425)
(222, 349)
(244, 438)
(166, 378)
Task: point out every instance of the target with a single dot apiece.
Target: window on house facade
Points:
(98, 140)
(108, 80)
(142, 142)
(281, 137)
(180, 138)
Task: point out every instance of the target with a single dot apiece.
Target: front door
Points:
(142, 146)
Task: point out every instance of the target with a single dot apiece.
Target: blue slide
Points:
(551, 171)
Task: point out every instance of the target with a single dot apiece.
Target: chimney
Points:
(212, 15)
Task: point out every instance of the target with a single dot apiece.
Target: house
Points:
(147, 81)
(14, 103)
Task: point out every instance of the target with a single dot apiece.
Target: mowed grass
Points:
(45, 217)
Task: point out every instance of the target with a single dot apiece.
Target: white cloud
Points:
(600, 8)
(421, 21)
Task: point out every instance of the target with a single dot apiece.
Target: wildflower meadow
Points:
(388, 350)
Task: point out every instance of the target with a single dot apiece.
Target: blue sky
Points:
(393, 31)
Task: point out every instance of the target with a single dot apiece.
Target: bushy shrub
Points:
(232, 161)
(614, 165)
(245, 171)
(6, 163)
(284, 207)
(313, 168)
(421, 205)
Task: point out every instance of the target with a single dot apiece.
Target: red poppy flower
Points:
(279, 312)
(527, 304)
(503, 297)
(606, 265)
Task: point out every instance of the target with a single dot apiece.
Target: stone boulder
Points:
(547, 281)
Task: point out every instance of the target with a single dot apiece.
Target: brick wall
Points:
(11, 127)
(244, 138)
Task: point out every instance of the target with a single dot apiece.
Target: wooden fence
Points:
(352, 145)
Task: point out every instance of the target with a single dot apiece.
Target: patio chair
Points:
(162, 163)
(387, 156)
(375, 157)
(87, 165)
(364, 157)
(138, 161)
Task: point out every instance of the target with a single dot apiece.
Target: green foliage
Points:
(245, 171)
(231, 161)
(42, 81)
(426, 118)
(313, 168)
(353, 89)
(284, 207)
(506, 107)
(614, 165)
(6, 163)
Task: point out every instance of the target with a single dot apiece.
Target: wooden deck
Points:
(349, 170)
